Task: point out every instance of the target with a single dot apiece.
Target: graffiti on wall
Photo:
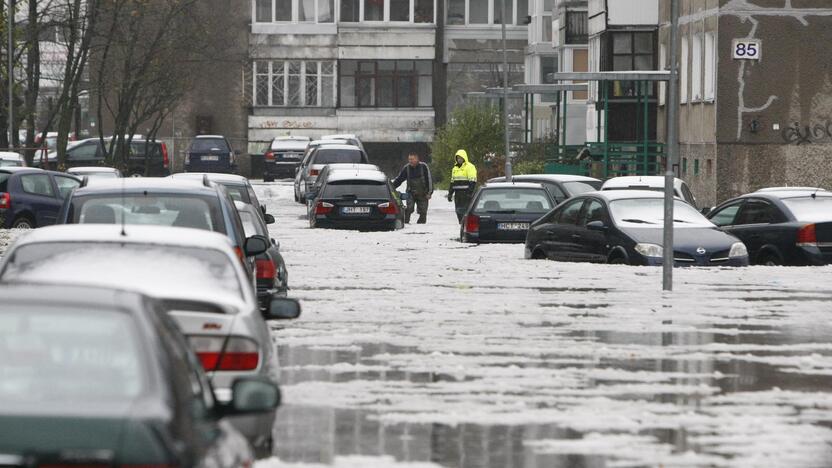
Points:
(798, 134)
(286, 124)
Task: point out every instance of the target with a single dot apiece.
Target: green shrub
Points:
(476, 128)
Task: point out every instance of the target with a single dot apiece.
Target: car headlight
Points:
(650, 250)
(738, 250)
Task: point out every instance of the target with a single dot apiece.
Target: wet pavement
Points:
(416, 350)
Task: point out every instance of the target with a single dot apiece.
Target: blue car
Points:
(31, 198)
(211, 153)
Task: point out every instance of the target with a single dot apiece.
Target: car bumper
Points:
(281, 169)
(731, 262)
(497, 238)
(356, 224)
(199, 166)
(815, 256)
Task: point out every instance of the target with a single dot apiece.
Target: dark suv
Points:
(283, 157)
(210, 153)
(31, 198)
(146, 158)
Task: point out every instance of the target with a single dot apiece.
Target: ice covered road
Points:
(417, 351)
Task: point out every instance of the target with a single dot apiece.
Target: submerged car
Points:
(31, 198)
(283, 157)
(360, 200)
(237, 186)
(503, 211)
(781, 227)
(652, 183)
(626, 227)
(11, 159)
(210, 153)
(103, 377)
(319, 157)
(145, 158)
(560, 186)
(272, 276)
(95, 172)
(195, 274)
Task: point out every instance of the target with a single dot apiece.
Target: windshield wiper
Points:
(637, 221)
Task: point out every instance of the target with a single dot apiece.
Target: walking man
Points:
(419, 187)
(463, 183)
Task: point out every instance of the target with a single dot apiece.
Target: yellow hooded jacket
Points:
(466, 171)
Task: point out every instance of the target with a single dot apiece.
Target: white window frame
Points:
(696, 67)
(302, 85)
(683, 71)
(295, 11)
(490, 23)
(662, 66)
(710, 66)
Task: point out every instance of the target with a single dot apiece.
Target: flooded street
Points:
(416, 350)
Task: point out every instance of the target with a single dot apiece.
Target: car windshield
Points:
(250, 225)
(209, 144)
(159, 270)
(359, 189)
(67, 355)
(579, 187)
(237, 192)
(516, 200)
(339, 156)
(159, 210)
(646, 211)
(811, 210)
(96, 174)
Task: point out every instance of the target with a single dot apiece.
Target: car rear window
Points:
(577, 188)
(153, 209)
(209, 144)
(4, 177)
(66, 354)
(808, 209)
(137, 148)
(163, 271)
(357, 189)
(339, 156)
(515, 200)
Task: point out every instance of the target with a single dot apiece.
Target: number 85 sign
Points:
(747, 49)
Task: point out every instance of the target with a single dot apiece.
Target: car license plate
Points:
(209, 158)
(352, 210)
(512, 226)
(291, 156)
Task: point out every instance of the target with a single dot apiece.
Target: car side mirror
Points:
(282, 308)
(596, 226)
(255, 245)
(269, 218)
(251, 395)
(705, 211)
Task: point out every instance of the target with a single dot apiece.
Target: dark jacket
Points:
(409, 172)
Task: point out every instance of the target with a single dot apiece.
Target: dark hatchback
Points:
(783, 227)
(104, 378)
(272, 275)
(625, 227)
(283, 157)
(502, 212)
(560, 186)
(210, 153)
(31, 198)
(361, 200)
(146, 158)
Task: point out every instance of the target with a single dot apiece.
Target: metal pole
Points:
(672, 148)
(505, 91)
(10, 69)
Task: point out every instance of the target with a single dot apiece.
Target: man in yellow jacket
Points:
(463, 183)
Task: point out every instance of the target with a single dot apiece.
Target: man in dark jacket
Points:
(419, 187)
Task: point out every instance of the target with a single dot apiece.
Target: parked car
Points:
(103, 377)
(653, 183)
(349, 138)
(11, 159)
(145, 159)
(95, 172)
(560, 186)
(330, 168)
(237, 186)
(362, 200)
(272, 276)
(31, 198)
(626, 227)
(792, 189)
(197, 276)
(196, 204)
(48, 144)
(283, 157)
(319, 157)
(780, 227)
(210, 153)
(502, 212)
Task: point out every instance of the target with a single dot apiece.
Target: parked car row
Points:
(162, 290)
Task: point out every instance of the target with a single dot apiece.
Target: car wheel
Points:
(538, 254)
(770, 259)
(267, 178)
(136, 175)
(23, 222)
(399, 225)
(617, 260)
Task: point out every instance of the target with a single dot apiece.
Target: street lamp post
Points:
(10, 69)
(672, 149)
(505, 92)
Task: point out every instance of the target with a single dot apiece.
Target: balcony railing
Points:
(577, 27)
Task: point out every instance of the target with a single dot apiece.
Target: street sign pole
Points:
(505, 92)
(10, 69)
(672, 148)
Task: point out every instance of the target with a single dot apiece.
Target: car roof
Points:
(340, 146)
(504, 185)
(139, 234)
(552, 178)
(92, 169)
(329, 141)
(208, 136)
(360, 175)
(784, 194)
(352, 166)
(66, 294)
(340, 136)
(292, 138)
(16, 169)
(157, 184)
(11, 156)
(636, 181)
(612, 195)
(212, 176)
(791, 189)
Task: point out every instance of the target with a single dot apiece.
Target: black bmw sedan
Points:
(625, 227)
(502, 212)
(781, 227)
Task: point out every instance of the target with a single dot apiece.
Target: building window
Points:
(710, 66)
(683, 71)
(294, 83)
(696, 167)
(684, 166)
(403, 11)
(577, 27)
(486, 12)
(386, 83)
(696, 68)
(580, 63)
(294, 11)
(373, 10)
(631, 51)
(350, 11)
(662, 66)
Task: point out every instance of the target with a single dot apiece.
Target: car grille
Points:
(715, 258)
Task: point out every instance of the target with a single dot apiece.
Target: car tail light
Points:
(266, 269)
(269, 156)
(322, 208)
(314, 172)
(165, 158)
(240, 255)
(472, 223)
(807, 236)
(5, 201)
(218, 353)
(388, 208)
